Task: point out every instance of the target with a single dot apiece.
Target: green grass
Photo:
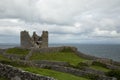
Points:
(18, 51)
(100, 68)
(60, 56)
(2, 78)
(5, 60)
(68, 57)
(114, 73)
(2, 58)
(55, 74)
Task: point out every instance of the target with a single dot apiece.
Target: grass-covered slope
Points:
(100, 68)
(57, 75)
(3, 58)
(64, 56)
(3, 78)
(67, 57)
(18, 51)
(60, 56)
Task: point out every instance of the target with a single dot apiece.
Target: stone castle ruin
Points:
(35, 41)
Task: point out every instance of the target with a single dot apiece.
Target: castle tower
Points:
(44, 39)
(34, 41)
(26, 41)
(35, 37)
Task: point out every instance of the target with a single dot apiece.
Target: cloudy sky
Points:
(68, 21)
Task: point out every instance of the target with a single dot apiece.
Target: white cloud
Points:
(106, 33)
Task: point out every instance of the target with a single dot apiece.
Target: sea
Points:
(111, 51)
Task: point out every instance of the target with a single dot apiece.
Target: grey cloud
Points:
(71, 18)
(54, 12)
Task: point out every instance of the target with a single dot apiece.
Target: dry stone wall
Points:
(16, 74)
(53, 49)
(76, 72)
(2, 51)
(59, 63)
(107, 65)
(14, 57)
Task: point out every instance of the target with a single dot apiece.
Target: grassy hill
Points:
(69, 57)
(75, 61)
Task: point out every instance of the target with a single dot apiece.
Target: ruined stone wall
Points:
(35, 41)
(44, 39)
(59, 63)
(13, 73)
(13, 56)
(77, 72)
(53, 49)
(2, 51)
(26, 41)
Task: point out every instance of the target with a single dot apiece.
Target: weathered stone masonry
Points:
(35, 41)
(13, 73)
